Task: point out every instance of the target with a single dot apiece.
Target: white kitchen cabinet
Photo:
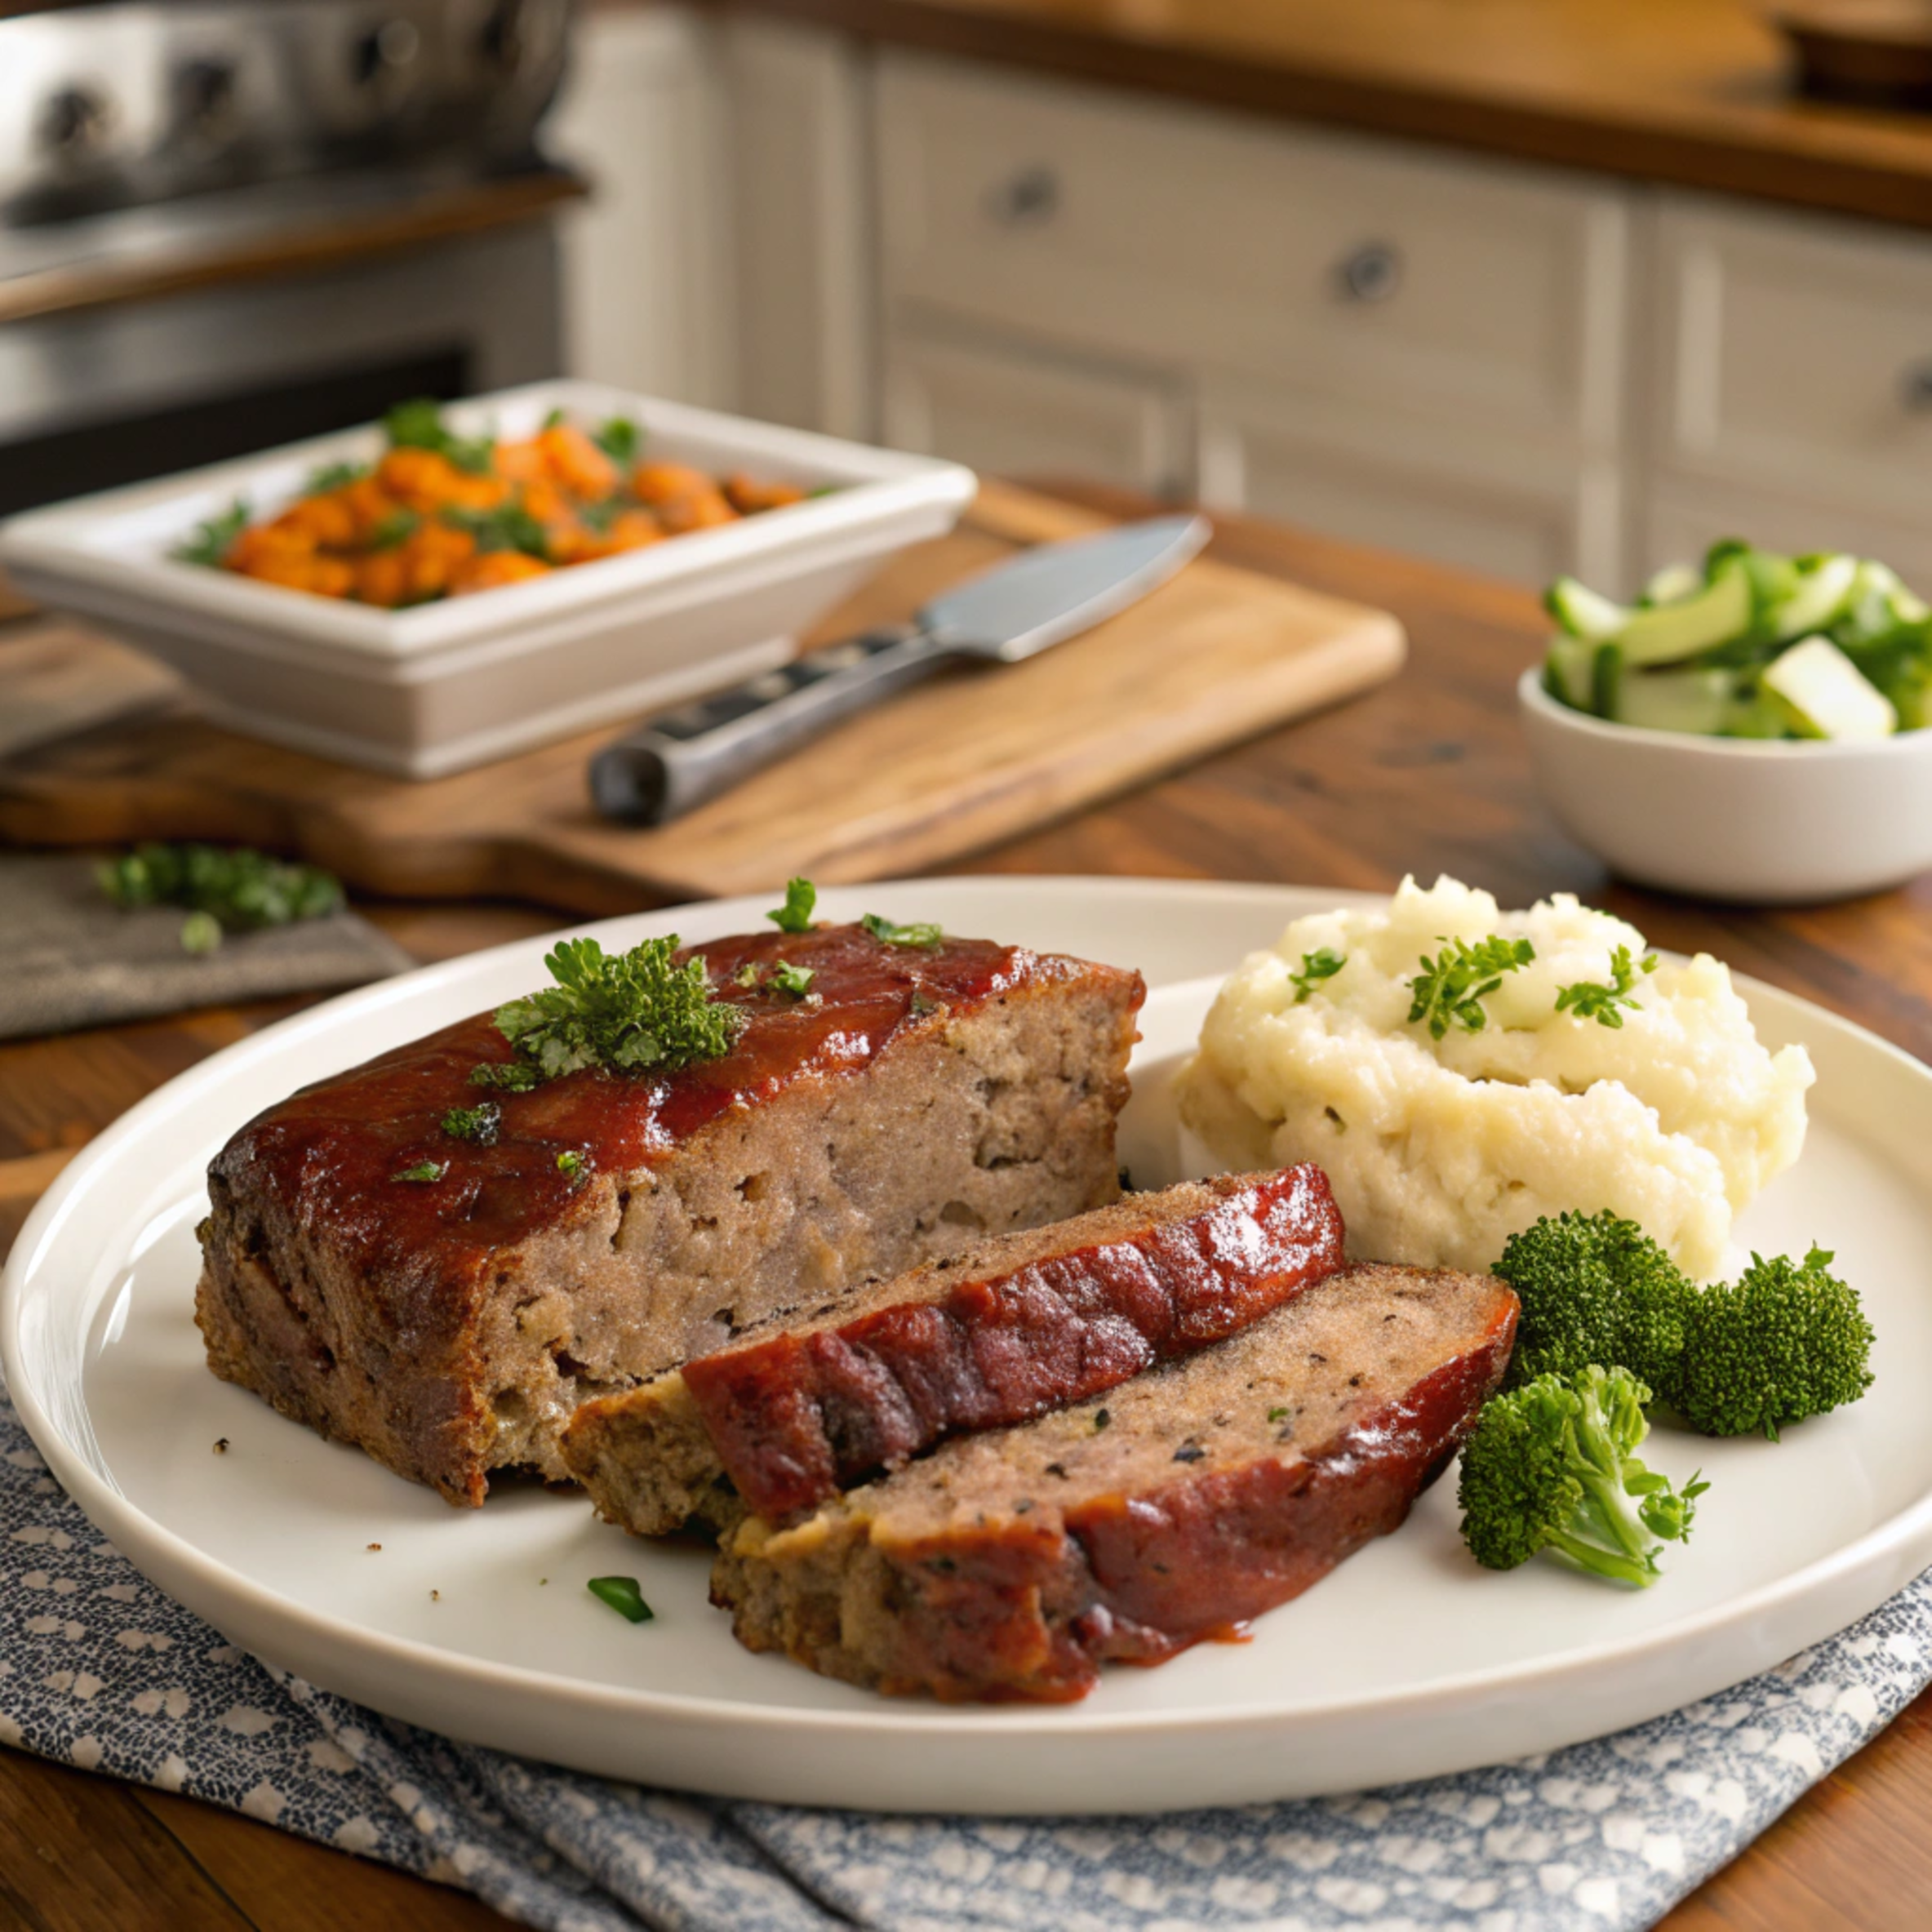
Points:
(799, 106)
(1464, 291)
(1007, 412)
(1794, 357)
(1683, 518)
(1511, 510)
(1401, 346)
(646, 261)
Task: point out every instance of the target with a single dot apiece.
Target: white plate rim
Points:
(137, 1535)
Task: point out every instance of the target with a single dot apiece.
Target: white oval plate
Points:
(1408, 1662)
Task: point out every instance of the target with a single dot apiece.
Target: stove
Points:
(118, 105)
(227, 223)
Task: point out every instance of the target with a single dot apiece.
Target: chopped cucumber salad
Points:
(1754, 645)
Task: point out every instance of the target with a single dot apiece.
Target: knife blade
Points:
(1006, 614)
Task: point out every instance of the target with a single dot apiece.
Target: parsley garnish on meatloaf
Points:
(629, 1011)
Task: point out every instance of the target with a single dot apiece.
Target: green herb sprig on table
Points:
(925, 935)
(419, 425)
(222, 890)
(213, 539)
(1590, 1000)
(629, 1012)
(1451, 989)
(1323, 963)
(801, 900)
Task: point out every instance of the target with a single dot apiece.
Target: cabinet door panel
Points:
(800, 187)
(1795, 356)
(1378, 478)
(645, 268)
(1685, 518)
(1004, 412)
(1470, 291)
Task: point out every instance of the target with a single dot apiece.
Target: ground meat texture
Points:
(925, 1097)
(1016, 1326)
(1184, 1503)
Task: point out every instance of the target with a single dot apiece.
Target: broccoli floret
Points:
(1786, 1340)
(1552, 1465)
(1595, 1288)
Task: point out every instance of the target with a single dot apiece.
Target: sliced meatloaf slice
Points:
(803, 1406)
(447, 1304)
(1176, 1508)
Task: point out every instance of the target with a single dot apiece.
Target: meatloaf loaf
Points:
(447, 1304)
(1010, 1565)
(1020, 1323)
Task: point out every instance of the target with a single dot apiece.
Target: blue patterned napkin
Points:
(99, 1669)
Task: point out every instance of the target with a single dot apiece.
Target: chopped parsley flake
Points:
(923, 1003)
(627, 1011)
(334, 476)
(884, 930)
(510, 1076)
(623, 1595)
(395, 530)
(201, 932)
(795, 915)
(423, 1173)
(1278, 1414)
(573, 1165)
(1324, 963)
(794, 979)
(419, 425)
(213, 540)
(1451, 989)
(1590, 1000)
(619, 439)
(747, 975)
(478, 1123)
(509, 526)
(238, 890)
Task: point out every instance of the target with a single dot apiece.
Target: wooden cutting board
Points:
(974, 756)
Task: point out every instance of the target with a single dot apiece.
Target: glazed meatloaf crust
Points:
(924, 1097)
(1018, 1325)
(1179, 1506)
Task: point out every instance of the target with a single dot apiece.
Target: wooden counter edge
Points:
(304, 245)
(1759, 157)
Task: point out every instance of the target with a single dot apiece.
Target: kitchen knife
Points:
(1011, 612)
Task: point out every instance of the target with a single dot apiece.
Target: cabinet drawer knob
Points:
(1372, 272)
(1029, 198)
(1915, 385)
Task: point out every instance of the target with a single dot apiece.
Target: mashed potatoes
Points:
(1438, 1150)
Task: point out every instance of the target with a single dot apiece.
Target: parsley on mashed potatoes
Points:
(1673, 1114)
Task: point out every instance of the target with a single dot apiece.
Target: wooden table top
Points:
(1693, 92)
(1428, 773)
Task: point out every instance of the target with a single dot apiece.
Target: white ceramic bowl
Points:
(425, 692)
(1758, 823)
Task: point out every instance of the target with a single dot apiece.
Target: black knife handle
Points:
(676, 760)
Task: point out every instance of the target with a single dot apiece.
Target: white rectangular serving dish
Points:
(435, 689)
